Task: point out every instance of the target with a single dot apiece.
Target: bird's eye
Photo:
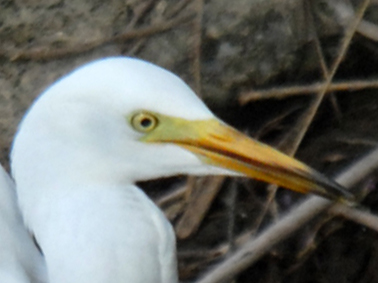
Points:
(144, 122)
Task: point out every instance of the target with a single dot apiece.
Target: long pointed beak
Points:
(221, 145)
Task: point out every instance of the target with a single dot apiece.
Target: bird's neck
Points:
(91, 223)
(110, 232)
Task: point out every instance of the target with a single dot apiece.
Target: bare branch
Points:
(47, 53)
(283, 92)
(257, 247)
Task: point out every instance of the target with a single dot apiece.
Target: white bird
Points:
(20, 260)
(90, 136)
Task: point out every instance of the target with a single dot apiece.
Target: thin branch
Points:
(345, 43)
(176, 8)
(197, 41)
(199, 203)
(291, 142)
(46, 53)
(315, 37)
(362, 217)
(139, 12)
(256, 248)
(283, 92)
(345, 14)
(171, 197)
(173, 203)
(168, 14)
(295, 219)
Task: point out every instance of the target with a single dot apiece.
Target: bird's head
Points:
(128, 120)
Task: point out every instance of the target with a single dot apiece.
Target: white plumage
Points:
(20, 260)
(84, 143)
(75, 160)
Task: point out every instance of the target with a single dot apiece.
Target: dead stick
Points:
(365, 218)
(199, 203)
(46, 53)
(197, 42)
(256, 248)
(283, 92)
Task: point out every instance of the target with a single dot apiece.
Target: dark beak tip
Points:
(349, 199)
(344, 196)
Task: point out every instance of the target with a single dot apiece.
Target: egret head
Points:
(128, 120)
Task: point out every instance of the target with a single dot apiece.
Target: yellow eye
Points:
(144, 122)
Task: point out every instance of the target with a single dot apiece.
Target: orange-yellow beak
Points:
(220, 145)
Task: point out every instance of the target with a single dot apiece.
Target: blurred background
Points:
(260, 65)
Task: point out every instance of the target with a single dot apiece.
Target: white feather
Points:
(75, 159)
(20, 260)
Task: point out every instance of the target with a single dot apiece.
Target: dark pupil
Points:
(146, 122)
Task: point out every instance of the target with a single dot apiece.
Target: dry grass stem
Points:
(362, 217)
(46, 53)
(295, 219)
(254, 249)
(199, 202)
(197, 41)
(283, 92)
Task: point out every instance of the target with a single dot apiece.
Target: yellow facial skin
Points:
(221, 145)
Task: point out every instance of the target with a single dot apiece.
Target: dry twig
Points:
(196, 51)
(290, 144)
(176, 8)
(199, 202)
(359, 216)
(46, 53)
(173, 203)
(283, 92)
(254, 249)
(345, 14)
